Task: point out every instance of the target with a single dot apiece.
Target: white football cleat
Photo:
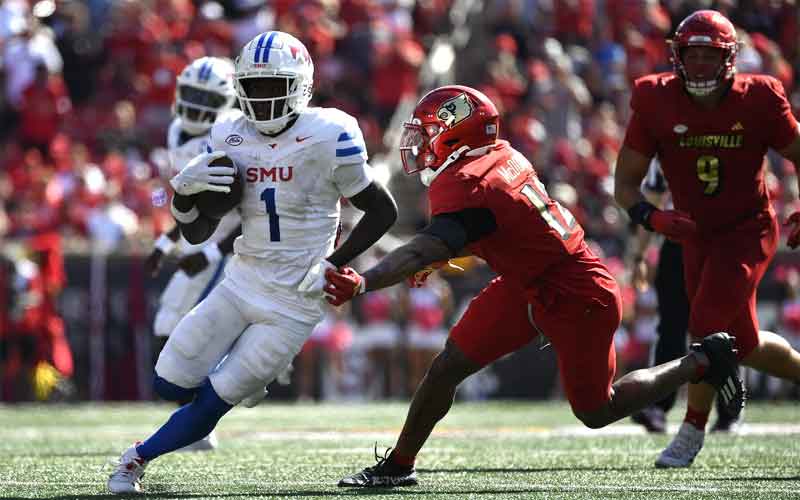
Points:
(208, 443)
(127, 477)
(684, 447)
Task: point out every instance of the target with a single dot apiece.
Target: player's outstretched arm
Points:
(344, 284)
(422, 251)
(194, 226)
(380, 213)
(445, 237)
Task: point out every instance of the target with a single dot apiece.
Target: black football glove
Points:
(196, 263)
(152, 264)
(193, 263)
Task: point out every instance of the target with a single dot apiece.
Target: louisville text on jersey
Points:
(724, 141)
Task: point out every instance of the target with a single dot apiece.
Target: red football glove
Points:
(674, 224)
(794, 234)
(341, 286)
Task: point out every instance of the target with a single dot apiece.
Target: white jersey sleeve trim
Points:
(352, 178)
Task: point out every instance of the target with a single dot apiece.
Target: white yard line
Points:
(539, 432)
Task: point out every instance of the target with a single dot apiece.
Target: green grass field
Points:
(481, 450)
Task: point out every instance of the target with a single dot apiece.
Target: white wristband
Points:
(212, 252)
(165, 244)
(184, 217)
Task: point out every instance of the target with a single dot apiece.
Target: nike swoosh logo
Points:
(301, 139)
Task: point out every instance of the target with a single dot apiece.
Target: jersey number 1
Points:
(539, 199)
(268, 196)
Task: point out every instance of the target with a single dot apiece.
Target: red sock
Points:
(405, 460)
(696, 418)
(702, 366)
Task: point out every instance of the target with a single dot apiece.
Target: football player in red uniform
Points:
(710, 129)
(486, 199)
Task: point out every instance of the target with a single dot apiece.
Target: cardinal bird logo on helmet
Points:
(455, 110)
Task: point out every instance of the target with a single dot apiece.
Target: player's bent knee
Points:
(172, 392)
(595, 419)
(451, 366)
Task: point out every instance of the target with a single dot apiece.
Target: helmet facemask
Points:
(725, 70)
(415, 151)
(270, 102)
(198, 107)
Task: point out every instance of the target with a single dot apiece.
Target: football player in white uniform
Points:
(296, 163)
(203, 91)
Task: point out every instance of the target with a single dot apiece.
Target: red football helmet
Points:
(707, 28)
(446, 123)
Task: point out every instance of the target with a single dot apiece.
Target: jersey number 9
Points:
(708, 173)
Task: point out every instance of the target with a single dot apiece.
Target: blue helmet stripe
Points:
(344, 136)
(265, 58)
(258, 47)
(205, 72)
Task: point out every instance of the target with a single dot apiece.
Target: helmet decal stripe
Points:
(205, 72)
(258, 47)
(348, 151)
(344, 136)
(265, 57)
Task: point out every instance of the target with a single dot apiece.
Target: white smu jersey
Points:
(292, 186)
(182, 148)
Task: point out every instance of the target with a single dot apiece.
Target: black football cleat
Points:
(651, 418)
(384, 474)
(723, 371)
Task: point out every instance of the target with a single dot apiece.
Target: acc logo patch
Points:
(455, 110)
(680, 128)
(234, 139)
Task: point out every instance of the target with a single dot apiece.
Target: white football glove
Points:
(197, 176)
(314, 279)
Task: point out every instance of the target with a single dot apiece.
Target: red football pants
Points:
(500, 320)
(722, 274)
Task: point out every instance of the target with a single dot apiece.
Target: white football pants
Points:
(182, 294)
(257, 344)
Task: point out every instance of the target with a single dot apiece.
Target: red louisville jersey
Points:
(537, 241)
(713, 159)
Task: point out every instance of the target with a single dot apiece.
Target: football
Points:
(215, 204)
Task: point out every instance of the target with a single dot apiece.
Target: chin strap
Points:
(427, 176)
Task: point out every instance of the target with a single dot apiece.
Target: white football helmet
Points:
(203, 89)
(277, 56)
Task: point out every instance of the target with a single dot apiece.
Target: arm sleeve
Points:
(459, 229)
(782, 126)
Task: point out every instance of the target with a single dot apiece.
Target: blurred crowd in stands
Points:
(86, 88)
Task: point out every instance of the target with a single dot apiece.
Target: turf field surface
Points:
(481, 451)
